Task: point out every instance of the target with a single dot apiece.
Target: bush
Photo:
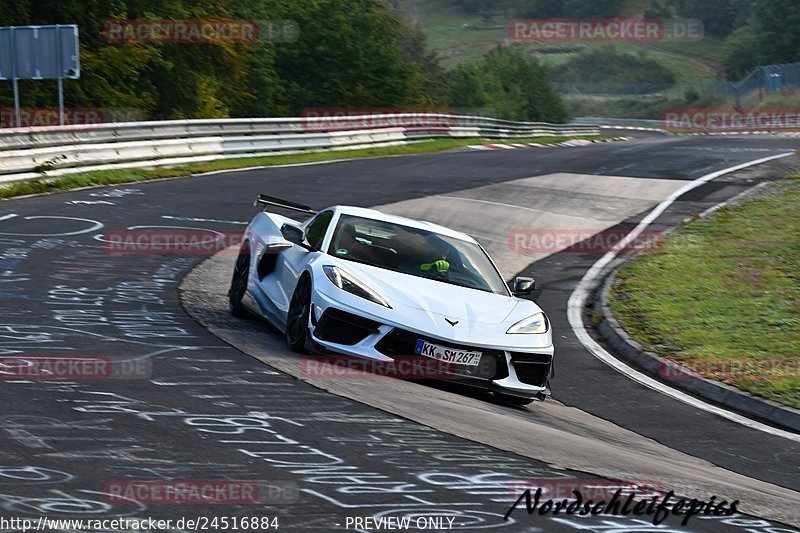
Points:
(607, 65)
(740, 53)
(509, 84)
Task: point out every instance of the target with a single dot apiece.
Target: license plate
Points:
(449, 355)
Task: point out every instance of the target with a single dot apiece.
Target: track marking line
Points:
(591, 279)
(491, 203)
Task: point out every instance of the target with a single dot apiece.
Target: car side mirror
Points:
(295, 235)
(523, 286)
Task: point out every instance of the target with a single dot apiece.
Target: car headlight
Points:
(348, 283)
(533, 324)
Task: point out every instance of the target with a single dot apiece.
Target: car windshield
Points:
(414, 251)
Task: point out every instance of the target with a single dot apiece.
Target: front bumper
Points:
(511, 370)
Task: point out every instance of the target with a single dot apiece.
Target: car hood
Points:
(434, 297)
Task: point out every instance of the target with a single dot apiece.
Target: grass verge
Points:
(114, 177)
(722, 295)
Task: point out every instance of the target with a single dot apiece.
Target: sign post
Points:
(39, 53)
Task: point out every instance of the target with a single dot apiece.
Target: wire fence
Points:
(760, 82)
(768, 79)
(653, 90)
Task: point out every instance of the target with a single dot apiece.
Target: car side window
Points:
(315, 232)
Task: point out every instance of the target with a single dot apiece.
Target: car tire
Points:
(512, 400)
(241, 274)
(297, 334)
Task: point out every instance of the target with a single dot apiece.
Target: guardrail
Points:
(710, 121)
(37, 152)
(635, 122)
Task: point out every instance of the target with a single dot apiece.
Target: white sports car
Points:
(358, 282)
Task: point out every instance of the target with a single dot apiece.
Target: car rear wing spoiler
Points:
(264, 200)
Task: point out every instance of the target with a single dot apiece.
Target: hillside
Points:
(457, 36)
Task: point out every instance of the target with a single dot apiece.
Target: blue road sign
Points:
(39, 52)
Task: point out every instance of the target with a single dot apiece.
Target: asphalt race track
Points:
(185, 404)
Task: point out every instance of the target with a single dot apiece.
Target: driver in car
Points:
(442, 266)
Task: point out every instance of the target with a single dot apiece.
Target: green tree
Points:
(718, 16)
(161, 80)
(740, 52)
(349, 53)
(416, 50)
(776, 24)
(511, 84)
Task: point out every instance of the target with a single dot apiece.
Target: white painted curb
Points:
(590, 281)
